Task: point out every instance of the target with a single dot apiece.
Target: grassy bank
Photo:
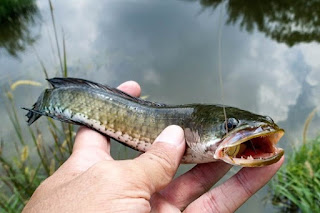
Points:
(296, 187)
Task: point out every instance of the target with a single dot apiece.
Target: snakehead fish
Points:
(244, 138)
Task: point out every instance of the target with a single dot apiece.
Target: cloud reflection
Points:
(312, 54)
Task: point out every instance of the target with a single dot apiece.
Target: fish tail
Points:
(37, 109)
(32, 115)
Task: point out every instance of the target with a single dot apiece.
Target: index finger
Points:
(130, 87)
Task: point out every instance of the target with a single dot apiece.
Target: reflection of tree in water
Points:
(285, 21)
(16, 16)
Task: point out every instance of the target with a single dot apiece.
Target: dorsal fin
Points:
(76, 82)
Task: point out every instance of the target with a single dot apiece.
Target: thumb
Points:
(161, 161)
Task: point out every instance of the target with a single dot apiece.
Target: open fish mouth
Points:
(251, 147)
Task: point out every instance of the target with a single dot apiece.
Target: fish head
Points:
(247, 139)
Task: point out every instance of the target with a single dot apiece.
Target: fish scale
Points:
(108, 112)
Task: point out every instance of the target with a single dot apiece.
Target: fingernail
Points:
(172, 135)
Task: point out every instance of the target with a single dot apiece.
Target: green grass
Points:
(296, 187)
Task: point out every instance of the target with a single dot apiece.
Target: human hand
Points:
(91, 181)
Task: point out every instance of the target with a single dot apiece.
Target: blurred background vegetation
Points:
(296, 187)
(16, 17)
(20, 172)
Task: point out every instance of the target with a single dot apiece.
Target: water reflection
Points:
(16, 18)
(188, 53)
(284, 21)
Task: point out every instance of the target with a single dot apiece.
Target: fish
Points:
(243, 138)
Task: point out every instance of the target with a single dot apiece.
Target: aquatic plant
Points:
(296, 187)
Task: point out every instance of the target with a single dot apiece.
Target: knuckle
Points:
(200, 178)
(242, 180)
(162, 164)
(100, 170)
(212, 204)
(98, 167)
(163, 160)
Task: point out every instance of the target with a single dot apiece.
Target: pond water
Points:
(269, 55)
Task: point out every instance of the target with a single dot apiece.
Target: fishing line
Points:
(220, 71)
(220, 65)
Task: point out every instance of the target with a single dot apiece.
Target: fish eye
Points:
(231, 124)
(268, 118)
